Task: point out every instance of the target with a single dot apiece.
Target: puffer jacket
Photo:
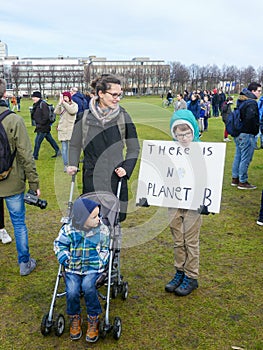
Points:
(24, 165)
(67, 112)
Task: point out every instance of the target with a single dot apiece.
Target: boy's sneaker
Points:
(246, 186)
(187, 286)
(92, 334)
(26, 268)
(235, 181)
(75, 327)
(260, 222)
(4, 236)
(226, 139)
(175, 282)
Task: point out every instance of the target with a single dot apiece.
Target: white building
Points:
(3, 50)
(51, 75)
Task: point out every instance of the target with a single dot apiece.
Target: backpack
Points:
(6, 157)
(51, 108)
(234, 122)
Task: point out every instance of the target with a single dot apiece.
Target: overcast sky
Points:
(191, 31)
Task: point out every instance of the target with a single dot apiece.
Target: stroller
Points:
(111, 278)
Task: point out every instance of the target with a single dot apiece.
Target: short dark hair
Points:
(253, 86)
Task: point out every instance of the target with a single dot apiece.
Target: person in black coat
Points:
(40, 115)
(102, 133)
(215, 103)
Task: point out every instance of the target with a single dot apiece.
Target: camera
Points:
(31, 198)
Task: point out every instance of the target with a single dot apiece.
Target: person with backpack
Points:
(245, 141)
(105, 128)
(14, 176)
(225, 110)
(40, 114)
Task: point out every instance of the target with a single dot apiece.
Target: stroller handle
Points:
(119, 188)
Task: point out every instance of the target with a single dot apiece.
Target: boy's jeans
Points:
(75, 284)
(245, 146)
(16, 207)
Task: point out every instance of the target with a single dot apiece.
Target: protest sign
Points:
(177, 177)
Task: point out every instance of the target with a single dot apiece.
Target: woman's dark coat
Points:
(103, 153)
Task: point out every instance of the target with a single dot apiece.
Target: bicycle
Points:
(166, 103)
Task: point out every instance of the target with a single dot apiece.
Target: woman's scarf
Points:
(103, 116)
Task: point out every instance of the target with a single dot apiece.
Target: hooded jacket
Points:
(185, 116)
(249, 112)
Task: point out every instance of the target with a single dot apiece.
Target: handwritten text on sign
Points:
(177, 177)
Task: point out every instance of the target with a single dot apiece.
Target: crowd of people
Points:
(96, 124)
(202, 103)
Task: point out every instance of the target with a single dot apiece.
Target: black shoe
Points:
(175, 282)
(56, 155)
(187, 286)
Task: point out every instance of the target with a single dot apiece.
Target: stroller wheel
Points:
(102, 329)
(117, 328)
(125, 290)
(59, 325)
(45, 327)
(114, 292)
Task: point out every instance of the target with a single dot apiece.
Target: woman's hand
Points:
(120, 171)
(72, 170)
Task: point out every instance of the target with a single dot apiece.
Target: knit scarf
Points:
(104, 116)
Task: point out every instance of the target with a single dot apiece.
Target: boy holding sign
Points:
(184, 223)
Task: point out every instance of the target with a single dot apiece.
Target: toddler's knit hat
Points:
(82, 208)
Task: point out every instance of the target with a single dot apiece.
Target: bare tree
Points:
(179, 76)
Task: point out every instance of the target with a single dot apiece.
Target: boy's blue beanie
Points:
(82, 208)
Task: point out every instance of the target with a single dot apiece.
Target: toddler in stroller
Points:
(82, 247)
(88, 250)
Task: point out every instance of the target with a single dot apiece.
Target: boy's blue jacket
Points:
(83, 252)
(184, 116)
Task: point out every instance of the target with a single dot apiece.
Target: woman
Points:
(67, 109)
(101, 133)
(194, 106)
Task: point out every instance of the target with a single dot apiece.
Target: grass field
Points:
(225, 312)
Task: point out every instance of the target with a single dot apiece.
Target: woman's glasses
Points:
(115, 95)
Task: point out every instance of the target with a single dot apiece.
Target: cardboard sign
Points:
(177, 177)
